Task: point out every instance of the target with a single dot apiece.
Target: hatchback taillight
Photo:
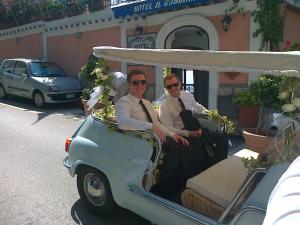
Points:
(68, 143)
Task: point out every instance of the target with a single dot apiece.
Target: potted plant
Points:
(248, 109)
(285, 145)
(85, 96)
(265, 90)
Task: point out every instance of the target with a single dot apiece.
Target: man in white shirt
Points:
(135, 113)
(177, 101)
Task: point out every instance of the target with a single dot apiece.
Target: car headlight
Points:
(53, 88)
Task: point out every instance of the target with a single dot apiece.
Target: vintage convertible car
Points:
(117, 167)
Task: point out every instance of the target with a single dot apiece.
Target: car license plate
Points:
(70, 95)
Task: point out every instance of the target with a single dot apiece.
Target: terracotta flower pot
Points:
(256, 142)
(248, 116)
(86, 106)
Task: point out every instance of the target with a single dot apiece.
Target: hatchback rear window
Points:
(45, 69)
(8, 66)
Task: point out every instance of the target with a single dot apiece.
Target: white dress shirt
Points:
(131, 116)
(170, 109)
(284, 202)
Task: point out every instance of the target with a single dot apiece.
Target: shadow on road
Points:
(122, 216)
(67, 109)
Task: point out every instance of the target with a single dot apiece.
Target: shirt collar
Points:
(172, 98)
(135, 99)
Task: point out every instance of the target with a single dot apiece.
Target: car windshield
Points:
(45, 69)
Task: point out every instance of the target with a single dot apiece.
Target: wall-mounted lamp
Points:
(139, 31)
(226, 22)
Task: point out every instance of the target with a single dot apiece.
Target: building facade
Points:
(182, 24)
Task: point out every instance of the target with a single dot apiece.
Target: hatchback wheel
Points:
(2, 92)
(94, 189)
(38, 99)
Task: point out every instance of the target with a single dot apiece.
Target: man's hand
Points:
(195, 133)
(180, 139)
(159, 133)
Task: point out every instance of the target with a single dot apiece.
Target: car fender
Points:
(123, 162)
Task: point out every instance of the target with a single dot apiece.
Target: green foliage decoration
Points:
(166, 71)
(86, 72)
(105, 81)
(290, 97)
(223, 121)
(270, 18)
(235, 7)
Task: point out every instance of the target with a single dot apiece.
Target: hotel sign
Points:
(151, 6)
(143, 41)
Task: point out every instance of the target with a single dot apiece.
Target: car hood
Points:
(63, 83)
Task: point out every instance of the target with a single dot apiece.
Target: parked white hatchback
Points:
(44, 82)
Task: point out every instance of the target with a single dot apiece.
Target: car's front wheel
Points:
(94, 189)
(38, 99)
(2, 92)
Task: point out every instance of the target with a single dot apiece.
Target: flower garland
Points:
(226, 125)
(105, 81)
(288, 96)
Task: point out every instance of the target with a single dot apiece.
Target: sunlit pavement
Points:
(71, 110)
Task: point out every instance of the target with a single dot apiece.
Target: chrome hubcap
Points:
(38, 99)
(1, 92)
(94, 189)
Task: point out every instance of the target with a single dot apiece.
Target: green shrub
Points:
(244, 98)
(85, 94)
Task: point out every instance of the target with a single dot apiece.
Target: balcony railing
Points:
(14, 14)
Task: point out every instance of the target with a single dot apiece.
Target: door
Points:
(7, 72)
(21, 81)
(194, 81)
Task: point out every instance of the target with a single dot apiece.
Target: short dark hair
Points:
(134, 72)
(170, 76)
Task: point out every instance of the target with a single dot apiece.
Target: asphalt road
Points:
(35, 188)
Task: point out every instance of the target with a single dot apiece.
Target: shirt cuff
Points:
(185, 133)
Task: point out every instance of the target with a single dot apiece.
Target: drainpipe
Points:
(45, 43)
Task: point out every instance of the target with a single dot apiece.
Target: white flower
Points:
(288, 108)
(103, 77)
(283, 95)
(98, 71)
(296, 102)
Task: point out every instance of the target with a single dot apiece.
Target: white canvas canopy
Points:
(287, 63)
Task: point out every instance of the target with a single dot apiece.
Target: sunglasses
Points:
(172, 85)
(137, 82)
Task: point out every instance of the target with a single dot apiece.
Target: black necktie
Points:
(181, 104)
(146, 111)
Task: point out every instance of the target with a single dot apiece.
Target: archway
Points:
(191, 24)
